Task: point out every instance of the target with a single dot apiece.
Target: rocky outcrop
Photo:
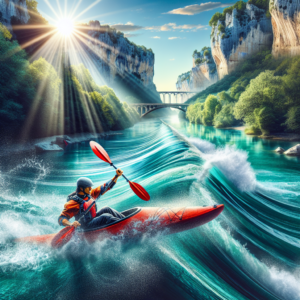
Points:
(202, 75)
(279, 150)
(13, 8)
(115, 57)
(240, 35)
(294, 151)
(47, 147)
(286, 27)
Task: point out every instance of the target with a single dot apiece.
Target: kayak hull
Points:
(141, 221)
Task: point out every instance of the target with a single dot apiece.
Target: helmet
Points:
(84, 182)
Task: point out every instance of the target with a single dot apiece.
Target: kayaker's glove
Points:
(119, 172)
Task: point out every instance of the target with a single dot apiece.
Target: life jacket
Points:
(84, 205)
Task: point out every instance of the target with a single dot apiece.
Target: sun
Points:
(65, 27)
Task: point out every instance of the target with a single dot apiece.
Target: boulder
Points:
(46, 147)
(62, 141)
(279, 150)
(294, 151)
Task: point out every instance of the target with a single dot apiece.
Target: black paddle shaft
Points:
(86, 212)
(122, 174)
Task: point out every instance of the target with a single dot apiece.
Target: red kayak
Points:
(142, 220)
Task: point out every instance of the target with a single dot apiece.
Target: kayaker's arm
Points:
(66, 222)
(101, 190)
(71, 208)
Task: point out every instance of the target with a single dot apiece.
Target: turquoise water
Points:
(251, 251)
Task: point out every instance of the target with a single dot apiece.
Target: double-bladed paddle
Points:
(64, 236)
(137, 188)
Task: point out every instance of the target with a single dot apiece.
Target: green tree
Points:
(225, 117)
(35, 16)
(293, 119)
(265, 91)
(209, 109)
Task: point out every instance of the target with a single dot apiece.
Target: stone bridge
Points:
(144, 109)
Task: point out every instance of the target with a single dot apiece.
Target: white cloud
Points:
(198, 8)
(128, 27)
(174, 38)
(172, 58)
(155, 37)
(173, 26)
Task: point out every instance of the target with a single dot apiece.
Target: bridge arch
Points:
(160, 107)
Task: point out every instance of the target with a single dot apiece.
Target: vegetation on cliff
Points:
(263, 93)
(33, 97)
(35, 16)
(240, 6)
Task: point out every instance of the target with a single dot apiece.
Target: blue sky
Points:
(173, 29)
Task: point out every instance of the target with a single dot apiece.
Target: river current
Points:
(251, 251)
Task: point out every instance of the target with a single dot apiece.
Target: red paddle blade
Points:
(100, 152)
(63, 237)
(139, 191)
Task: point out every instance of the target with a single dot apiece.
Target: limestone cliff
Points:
(202, 75)
(241, 34)
(286, 27)
(117, 59)
(13, 8)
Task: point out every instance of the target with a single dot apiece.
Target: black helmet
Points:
(84, 182)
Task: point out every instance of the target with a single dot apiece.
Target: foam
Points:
(233, 163)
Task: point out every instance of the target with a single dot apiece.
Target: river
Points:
(251, 251)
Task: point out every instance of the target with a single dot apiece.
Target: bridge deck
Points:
(158, 104)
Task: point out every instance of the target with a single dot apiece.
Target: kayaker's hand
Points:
(119, 172)
(76, 224)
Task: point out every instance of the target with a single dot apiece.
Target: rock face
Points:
(13, 8)
(279, 150)
(202, 75)
(239, 36)
(286, 27)
(114, 55)
(294, 151)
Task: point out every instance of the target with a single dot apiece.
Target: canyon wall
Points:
(202, 75)
(119, 60)
(13, 8)
(286, 27)
(240, 35)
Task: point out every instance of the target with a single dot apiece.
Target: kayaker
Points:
(79, 201)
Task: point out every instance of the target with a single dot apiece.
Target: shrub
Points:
(293, 119)
(206, 53)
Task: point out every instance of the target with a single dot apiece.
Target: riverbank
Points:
(279, 136)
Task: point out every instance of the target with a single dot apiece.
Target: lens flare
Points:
(65, 27)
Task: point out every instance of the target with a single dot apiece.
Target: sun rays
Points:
(65, 41)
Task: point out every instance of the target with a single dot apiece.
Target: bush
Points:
(221, 28)
(198, 61)
(225, 117)
(206, 53)
(293, 119)
(262, 102)
(5, 32)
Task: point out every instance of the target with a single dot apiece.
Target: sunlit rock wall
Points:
(114, 55)
(242, 36)
(202, 75)
(286, 27)
(13, 8)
